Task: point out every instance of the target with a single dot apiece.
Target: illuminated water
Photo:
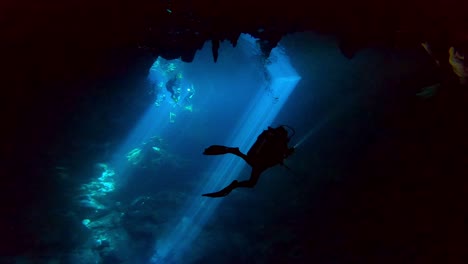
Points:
(131, 170)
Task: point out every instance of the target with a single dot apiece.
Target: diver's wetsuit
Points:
(270, 149)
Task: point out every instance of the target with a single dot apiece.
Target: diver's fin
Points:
(216, 194)
(216, 150)
(223, 192)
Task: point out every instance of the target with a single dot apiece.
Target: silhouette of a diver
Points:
(170, 85)
(270, 149)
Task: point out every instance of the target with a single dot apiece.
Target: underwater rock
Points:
(141, 218)
(150, 154)
(429, 91)
(98, 188)
(457, 61)
(113, 246)
(82, 256)
(101, 244)
(107, 221)
(89, 202)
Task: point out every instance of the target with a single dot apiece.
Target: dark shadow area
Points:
(379, 175)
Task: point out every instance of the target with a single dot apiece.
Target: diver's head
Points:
(281, 131)
(286, 131)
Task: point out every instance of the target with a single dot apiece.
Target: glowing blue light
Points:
(259, 114)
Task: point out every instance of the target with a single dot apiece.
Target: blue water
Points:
(138, 199)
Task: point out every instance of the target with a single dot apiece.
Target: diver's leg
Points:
(224, 191)
(220, 150)
(250, 183)
(216, 150)
(237, 152)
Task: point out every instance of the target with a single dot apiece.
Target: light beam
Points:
(259, 114)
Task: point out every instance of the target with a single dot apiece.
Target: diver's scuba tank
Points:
(259, 143)
(272, 135)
